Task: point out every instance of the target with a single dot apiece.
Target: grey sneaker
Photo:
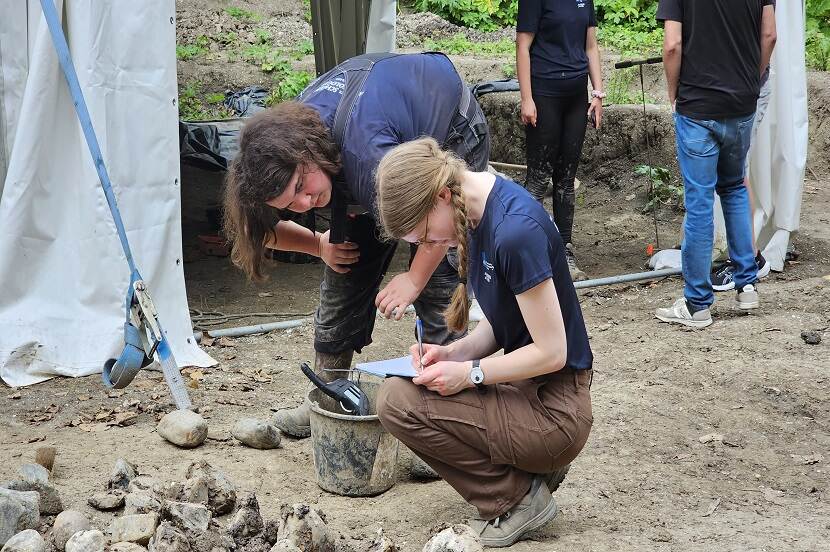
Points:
(576, 274)
(535, 510)
(679, 313)
(555, 478)
(747, 298)
(294, 422)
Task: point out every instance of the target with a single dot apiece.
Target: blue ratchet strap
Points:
(139, 349)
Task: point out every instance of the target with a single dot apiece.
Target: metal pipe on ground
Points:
(287, 324)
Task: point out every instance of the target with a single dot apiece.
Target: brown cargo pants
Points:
(487, 446)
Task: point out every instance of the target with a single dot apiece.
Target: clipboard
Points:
(401, 367)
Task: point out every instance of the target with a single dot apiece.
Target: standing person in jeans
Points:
(714, 53)
(723, 276)
(291, 159)
(556, 52)
(499, 429)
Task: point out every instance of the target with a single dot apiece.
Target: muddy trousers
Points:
(487, 446)
(554, 146)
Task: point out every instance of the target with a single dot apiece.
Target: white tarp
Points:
(63, 276)
(778, 155)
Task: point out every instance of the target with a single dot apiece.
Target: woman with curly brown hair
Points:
(323, 151)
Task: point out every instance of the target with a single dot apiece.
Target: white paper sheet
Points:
(393, 367)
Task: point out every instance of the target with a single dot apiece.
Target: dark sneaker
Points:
(747, 298)
(576, 274)
(723, 275)
(555, 478)
(535, 510)
(679, 313)
(294, 422)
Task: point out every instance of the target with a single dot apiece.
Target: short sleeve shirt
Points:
(720, 72)
(558, 49)
(514, 248)
(404, 97)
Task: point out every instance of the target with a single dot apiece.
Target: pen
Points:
(419, 331)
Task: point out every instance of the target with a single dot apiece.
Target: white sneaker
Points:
(679, 313)
(747, 298)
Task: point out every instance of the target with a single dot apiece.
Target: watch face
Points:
(477, 376)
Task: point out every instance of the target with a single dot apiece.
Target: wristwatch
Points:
(477, 376)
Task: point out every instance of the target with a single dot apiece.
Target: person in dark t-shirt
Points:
(714, 53)
(556, 52)
(501, 430)
(290, 160)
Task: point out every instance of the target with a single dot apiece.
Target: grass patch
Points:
(192, 108)
(263, 36)
(508, 70)
(460, 44)
(288, 83)
(242, 13)
(618, 87)
(198, 48)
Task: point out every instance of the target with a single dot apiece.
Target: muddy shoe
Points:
(679, 313)
(421, 470)
(294, 422)
(535, 510)
(576, 274)
(555, 478)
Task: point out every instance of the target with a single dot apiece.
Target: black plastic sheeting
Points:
(212, 145)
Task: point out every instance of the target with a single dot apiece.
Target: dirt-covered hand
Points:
(398, 294)
(338, 256)
(596, 109)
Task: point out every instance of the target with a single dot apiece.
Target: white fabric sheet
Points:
(63, 274)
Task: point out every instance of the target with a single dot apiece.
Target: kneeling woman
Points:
(498, 429)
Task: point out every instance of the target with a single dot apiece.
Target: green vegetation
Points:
(307, 11)
(288, 83)
(818, 34)
(661, 191)
(460, 44)
(241, 13)
(508, 70)
(618, 87)
(191, 107)
(263, 36)
(485, 15)
(185, 52)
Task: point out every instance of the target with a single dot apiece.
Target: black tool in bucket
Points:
(351, 398)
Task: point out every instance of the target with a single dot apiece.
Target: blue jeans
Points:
(712, 156)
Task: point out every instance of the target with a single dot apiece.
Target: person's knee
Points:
(396, 397)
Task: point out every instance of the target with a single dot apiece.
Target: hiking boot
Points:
(555, 478)
(576, 274)
(679, 313)
(747, 298)
(723, 275)
(294, 422)
(532, 512)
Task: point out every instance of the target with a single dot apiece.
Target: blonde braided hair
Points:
(409, 179)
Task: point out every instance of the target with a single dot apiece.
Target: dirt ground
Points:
(702, 440)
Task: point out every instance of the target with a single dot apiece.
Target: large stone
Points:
(169, 539)
(256, 434)
(122, 473)
(458, 538)
(34, 473)
(107, 501)
(247, 521)
(215, 541)
(25, 541)
(86, 541)
(145, 483)
(19, 510)
(193, 518)
(305, 528)
(196, 490)
(141, 502)
(137, 528)
(221, 492)
(127, 547)
(67, 524)
(183, 428)
(34, 477)
(284, 546)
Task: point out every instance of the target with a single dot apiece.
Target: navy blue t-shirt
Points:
(515, 247)
(404, 98)
(558, 60)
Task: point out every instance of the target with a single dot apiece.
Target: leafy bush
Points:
(818, 34)
(661, 190)
(289, 83)
(485, 15)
